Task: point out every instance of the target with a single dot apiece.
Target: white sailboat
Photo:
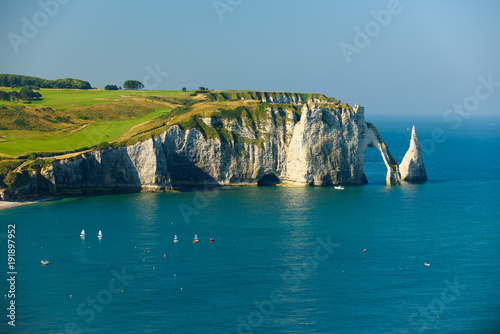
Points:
(99, 235)
(175, 238)
(82, 233)
(196, 238)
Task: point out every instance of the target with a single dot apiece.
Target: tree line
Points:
(15, 80)
(25, 94)
(129, 84)
(112, 87)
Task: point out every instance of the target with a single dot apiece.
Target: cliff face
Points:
(271, 97)
(324, 147)
(412, 167)
(321, 144)
(134, 168)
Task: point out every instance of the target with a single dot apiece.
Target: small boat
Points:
(82, 233)
(196, 238)
(339, 187)
(212, 239)
(175, 238)
(99, 235)
(427, 264)
(44, 262)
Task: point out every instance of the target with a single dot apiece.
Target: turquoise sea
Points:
(284, 259)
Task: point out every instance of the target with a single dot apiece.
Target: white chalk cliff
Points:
(314, 144)
(412, 167)
(323, 147)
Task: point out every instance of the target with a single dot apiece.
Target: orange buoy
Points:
(164, 255)
(212, 240)
(364, 250)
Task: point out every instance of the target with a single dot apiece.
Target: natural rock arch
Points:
(393, 176)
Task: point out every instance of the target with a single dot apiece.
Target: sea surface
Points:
(284, 259)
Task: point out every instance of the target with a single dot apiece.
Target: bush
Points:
(27, 94)
(133, 84)
(21, 123)
(16, 180)
(63, 119)
(202, 90)
(110, 87)
(103, 145)
(14, 96)
(4, 96)
(7, 166)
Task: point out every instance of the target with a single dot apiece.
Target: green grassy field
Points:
(69, 119)
(64, 99)
(108, 116)
(18, 142)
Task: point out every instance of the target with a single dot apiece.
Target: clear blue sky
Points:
(427, 58)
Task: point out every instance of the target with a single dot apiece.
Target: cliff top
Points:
(70, 121)
(64, 120)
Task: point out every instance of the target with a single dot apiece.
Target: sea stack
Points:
(412, 167)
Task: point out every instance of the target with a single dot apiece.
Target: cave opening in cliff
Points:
(374, 167)
(268, 180)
